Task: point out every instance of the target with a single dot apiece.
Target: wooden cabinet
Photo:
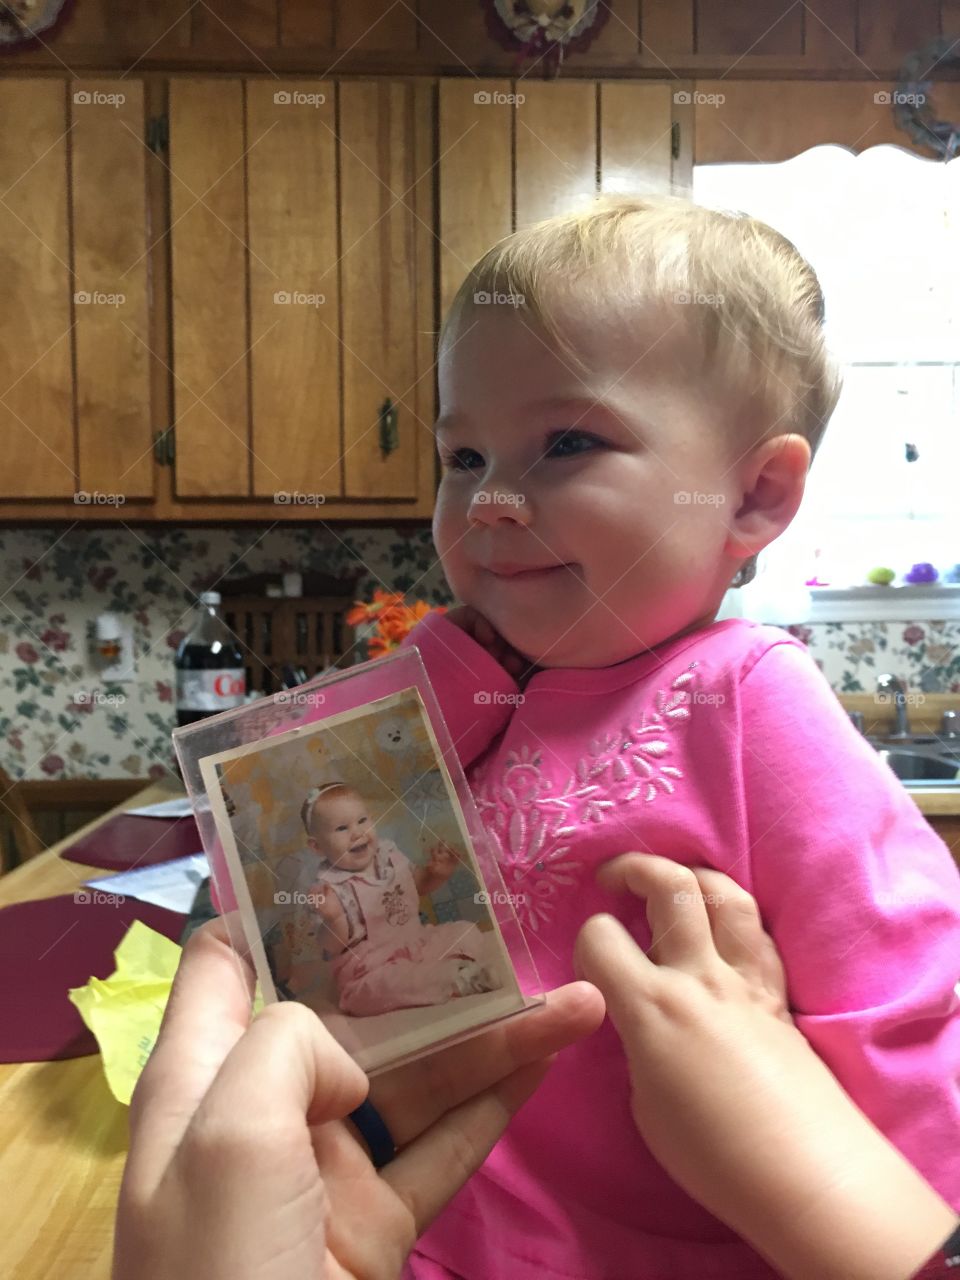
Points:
(302, 292)
(767, 121)
(261, 298)
(947, 827)
(513, 152)
(75, 413)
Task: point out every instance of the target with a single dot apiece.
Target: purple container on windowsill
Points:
(921, 573)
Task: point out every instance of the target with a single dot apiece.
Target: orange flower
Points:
(394, 619)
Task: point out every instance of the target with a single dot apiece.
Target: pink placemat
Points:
(127, 841)
(53, 944)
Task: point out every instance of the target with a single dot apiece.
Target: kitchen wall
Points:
(53, 583)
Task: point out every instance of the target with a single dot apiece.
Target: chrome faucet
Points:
(887, 684)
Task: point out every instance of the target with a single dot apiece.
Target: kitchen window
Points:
(881, 230)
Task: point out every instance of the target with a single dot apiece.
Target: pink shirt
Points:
(725, 748)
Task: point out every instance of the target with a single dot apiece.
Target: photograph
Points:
(358, 886)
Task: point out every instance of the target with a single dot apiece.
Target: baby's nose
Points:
(498, 502)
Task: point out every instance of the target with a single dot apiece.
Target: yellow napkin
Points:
(124, 1011)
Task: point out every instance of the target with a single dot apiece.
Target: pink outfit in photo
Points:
(724, 748)
(393, 960)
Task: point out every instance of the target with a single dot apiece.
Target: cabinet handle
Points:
(163, 447)
(388, 427)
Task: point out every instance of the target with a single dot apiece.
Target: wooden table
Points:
(63, 1136)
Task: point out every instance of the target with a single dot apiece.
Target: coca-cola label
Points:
(210, 690)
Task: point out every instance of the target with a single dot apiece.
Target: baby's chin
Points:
(562, 652)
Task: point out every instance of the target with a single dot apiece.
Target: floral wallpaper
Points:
(57, 721)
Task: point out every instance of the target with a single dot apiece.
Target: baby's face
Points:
(343, 832)
(623, 558)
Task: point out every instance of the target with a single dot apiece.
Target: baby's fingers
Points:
(740, 937)
(676, 911)
(606, 956)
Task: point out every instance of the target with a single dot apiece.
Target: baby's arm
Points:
(863, 901)
(438, 869)
(336, 933)
(731, 1099)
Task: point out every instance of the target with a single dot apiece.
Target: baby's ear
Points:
(313, 844)
(772, 478)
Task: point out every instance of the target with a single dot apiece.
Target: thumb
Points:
(606, 955)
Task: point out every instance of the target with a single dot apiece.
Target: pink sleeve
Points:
(863, 901)
(476, 695)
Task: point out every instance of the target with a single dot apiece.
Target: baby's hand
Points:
(478, 628)
(442, 862)
(325, 901)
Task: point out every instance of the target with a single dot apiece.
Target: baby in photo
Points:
(366, 893)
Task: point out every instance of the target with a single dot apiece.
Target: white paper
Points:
(168, 884)
(179, 807)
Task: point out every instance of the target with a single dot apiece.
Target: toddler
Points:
(617, 447)
(367, 896)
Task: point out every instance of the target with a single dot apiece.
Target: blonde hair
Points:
(750, 303)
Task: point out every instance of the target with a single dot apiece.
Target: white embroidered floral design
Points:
(534, 830)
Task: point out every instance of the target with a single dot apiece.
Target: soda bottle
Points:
(211, 675)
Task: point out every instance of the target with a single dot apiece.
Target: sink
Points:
(921, 768)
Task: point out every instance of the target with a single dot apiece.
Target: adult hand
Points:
(240, 1163)
(480, 629)
(732, 1100)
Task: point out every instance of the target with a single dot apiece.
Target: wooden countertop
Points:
(937, 802)
(63, 1136)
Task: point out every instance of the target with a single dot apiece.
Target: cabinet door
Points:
(294, 289)
(556, 148)
(110, 256)
(209, 271)
(476, 175)
(636, 119)
(74, 355)
(380, 167)
(513, 152)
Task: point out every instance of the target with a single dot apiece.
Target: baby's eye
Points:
(568, 443)
(457, 461)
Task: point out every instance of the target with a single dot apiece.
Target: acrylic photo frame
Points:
(376, 729)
